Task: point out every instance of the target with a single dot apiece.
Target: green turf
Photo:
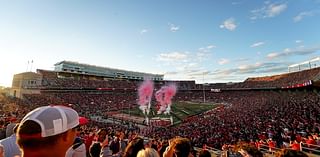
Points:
(181, 110)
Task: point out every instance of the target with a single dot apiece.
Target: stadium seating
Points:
(255, 110)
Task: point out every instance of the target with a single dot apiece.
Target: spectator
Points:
(9, 144)
(2, 130)
(148, 152)
(295, 145)
(115, 145)
(123, 144)
(100, 147)
(78, 149)
(134, 147)
(246, 150)
(290, 153)
(179, 147)
(9, 129)
(204, 153)
(1, 151)
(47, 131)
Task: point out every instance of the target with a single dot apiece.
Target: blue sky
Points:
(207, 40)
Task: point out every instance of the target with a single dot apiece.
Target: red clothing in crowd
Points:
(298, 138)
(311, 141)
(295, 146)
(271, 144)
(88, 141)
(258, 144)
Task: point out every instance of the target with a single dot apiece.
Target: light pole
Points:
(204, 93)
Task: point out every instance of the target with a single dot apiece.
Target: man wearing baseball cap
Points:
(47, 131)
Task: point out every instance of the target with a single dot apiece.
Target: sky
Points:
(204, 40)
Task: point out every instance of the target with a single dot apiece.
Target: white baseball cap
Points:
(53, 120)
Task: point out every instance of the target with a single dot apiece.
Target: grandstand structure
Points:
(77, 76)
(87, 69)
(26, 82)
(244, 111)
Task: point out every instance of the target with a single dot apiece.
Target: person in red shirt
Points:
(295, 145)
(271, 144)
(298, 138)
(89, 140)
(310, 141)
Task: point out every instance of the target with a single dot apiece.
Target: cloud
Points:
(229, 24)
(204, 52)
(274, 9)
(292, 52)
(298, 41)
(239, 73)
(195, 72)
(223, 61)
(240, 60)
(171, 73)
(187, 67)
(179, 59)
(143, 31)
(302, 15)
(236, 3)
(272, 55)
(199, 73)
(202, 55)
(268, 11)
(173, 28)
(207, 48)
(173, 56)
(257, 68)
(266, 67)
(210, 46)
(223, 72)
(257, 44)
(275, 69)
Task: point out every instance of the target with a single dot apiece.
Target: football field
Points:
(179, 110)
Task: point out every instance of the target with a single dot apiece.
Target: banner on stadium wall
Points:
(308, 83)
(160, 121)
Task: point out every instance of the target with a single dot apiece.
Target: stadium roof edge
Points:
(73, 62)
(305, 62)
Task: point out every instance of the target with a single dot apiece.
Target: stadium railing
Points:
(265, 149)
(213, 151)
(310, 148)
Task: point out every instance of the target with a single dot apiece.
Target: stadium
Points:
(269, 113)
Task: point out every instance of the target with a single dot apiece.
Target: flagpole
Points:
(31, 65)
(27, 66)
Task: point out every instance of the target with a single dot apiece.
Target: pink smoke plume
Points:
(169, 92)
(145, 92)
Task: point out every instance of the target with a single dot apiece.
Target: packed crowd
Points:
(87, 103)
(71, 137)
(279, 119)
(256, 116)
